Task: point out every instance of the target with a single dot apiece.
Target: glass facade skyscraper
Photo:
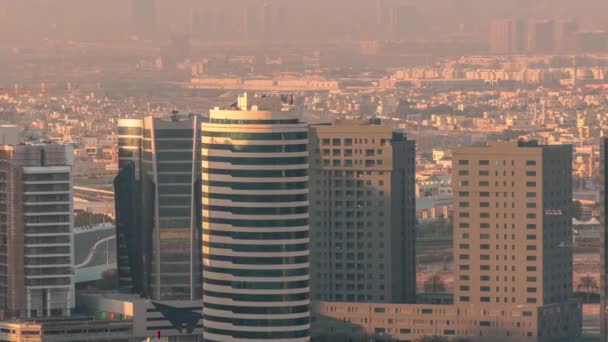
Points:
(603, 241)
(158, 207)
(255, 222)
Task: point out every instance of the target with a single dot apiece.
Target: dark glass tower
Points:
(603, 241)
(158, 208)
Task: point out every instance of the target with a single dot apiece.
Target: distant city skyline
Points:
(303, 170)
(384, 19)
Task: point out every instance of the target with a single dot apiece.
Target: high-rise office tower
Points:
(249, 22)
(144, 18)
(128, 207)
(403, 19)
(565, 35)
(512, 256)
(541, 36)
(604, 241)
(512, 224)
(507, 36)
(255, 222)
(363, 213)
(36, 277)
(282, 21)
(157, 194)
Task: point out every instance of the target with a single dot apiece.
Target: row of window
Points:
(487, 183)
(47, 208)
(173, 156)
(466, 277)
(249, 297)
(46, 177)
(466, 267)
(322, 274)
(487, 173)
(175, 178)
(464, 214)
(359, 194)
(257, 161)
(487, 237)
(484, 299)
(175, 167)
(257, 273)
(484, 288)
(530, 205)
(258, 223)
(239, 260)
(257, 148)
(258, 136)
(170, 145)
(170, 133)
(47, 187)
(496, 162)
(350, 141)
(486, 225)
(259, 322)
(348, 174)
(258, 185)
(258, 310)
(352, 298)
(260, 335)
(258, 173)
(496, 194)
(348, 152)
(258, 236)
(47, 198)
(254, 122)
(300, 247)
(129, 130)
(349, 162)
(257, 198)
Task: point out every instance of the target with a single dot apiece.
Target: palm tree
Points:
(589, 284)
(434, 284)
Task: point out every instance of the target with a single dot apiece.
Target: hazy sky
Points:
(24, 21)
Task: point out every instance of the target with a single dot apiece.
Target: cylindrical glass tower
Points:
(255, 222)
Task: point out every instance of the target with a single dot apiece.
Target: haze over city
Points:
(322, 170)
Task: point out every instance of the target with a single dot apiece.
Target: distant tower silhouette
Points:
(574, 72)
(267, 19)
(144, 18)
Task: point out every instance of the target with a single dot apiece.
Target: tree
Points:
(577, 210)
(589, 284)
(434, 284)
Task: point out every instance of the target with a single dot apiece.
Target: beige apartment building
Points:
(512, 223)
(255, 214)
(512, 255)
(363, 215)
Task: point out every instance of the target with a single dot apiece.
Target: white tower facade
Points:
(255, 222)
